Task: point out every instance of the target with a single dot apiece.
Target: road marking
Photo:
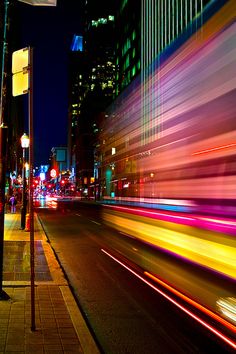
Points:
(97, 223)
(127, 235)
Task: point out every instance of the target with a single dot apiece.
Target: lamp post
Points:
(3, 140)
(24, 144)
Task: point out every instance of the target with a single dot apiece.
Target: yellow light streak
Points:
(208, 253)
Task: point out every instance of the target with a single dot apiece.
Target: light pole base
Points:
(4, 295)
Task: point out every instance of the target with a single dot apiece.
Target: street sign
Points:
(20, 60)
(20, 77)
(20, 83)
(40, 2)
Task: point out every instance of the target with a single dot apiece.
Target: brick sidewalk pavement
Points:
(60, 327)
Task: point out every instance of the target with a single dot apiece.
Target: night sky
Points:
(50, 30)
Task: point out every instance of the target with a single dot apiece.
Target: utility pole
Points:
(3, 140)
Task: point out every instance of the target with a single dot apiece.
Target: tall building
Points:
(78, 88)
(145, 28)
(148, 32)
(92, 87)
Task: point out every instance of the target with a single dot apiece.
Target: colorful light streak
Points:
(207, 151)
(228, 307)
(215, 224)
(192, 302)
(226, 339)
(165, 231)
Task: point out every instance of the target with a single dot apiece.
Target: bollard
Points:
(27, 223)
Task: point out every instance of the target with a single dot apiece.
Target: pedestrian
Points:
(13, 202)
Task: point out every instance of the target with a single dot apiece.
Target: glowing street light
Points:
(24, 141)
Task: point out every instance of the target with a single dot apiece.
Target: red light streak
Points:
(194, 303)
(203, 323)
(223, 147)
(148, 213)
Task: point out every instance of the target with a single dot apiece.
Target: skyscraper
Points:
(92, 87)
(149, 31)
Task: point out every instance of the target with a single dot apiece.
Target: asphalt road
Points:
(124, 314)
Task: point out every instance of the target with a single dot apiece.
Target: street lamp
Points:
(24, 144)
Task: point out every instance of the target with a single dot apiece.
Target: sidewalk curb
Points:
(86, 339)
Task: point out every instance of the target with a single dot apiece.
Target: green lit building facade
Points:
(147, 27)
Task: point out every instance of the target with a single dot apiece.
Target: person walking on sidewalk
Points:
(12, 202)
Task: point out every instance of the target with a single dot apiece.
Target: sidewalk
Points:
(60, 327)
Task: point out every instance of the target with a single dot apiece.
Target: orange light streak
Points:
(192, 302)
(223, 147)
(198, 319)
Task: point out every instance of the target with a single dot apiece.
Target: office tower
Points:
(93, 88)
(78, 88)
(134, 122)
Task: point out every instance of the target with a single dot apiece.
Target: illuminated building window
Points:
(94, 23)
(102, 21)
(133, 53)
(133, 35)
(133, 71)
(77, 44)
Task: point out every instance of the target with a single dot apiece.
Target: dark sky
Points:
(50, 30)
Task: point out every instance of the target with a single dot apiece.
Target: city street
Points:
(117, 176)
